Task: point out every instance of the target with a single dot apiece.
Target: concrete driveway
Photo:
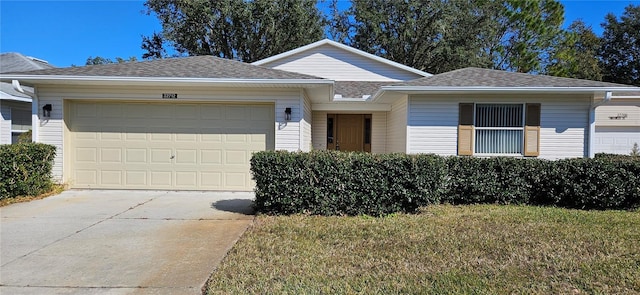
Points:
(118, 242)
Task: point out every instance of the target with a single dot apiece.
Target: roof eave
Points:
(161, 81)
(486, 89)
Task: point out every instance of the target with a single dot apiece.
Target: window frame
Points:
(521, 129)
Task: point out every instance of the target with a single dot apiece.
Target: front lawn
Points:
(479, 249)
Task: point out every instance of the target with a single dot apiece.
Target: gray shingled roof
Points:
(180, 67)
(469, 77)
(16, 62)
(356, 89)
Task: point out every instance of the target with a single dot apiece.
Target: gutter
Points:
(592, 122)
(34, 108)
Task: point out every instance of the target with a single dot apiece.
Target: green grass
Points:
(478, 249)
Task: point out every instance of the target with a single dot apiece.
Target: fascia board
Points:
(6, 96)
(479, 89)
(117, 80)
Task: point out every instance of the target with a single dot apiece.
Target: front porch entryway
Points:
(349, 132)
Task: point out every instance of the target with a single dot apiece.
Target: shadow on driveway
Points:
(242, 206)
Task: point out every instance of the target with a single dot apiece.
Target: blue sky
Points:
(68, 32)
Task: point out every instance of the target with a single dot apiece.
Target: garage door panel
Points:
(165, 146)
(616, 140)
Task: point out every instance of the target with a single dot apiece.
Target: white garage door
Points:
(616, 140)
(166, 145)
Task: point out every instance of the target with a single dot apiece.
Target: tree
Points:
(575, 54)
(524, 30)
(442, 35)
(235, 29)
(154, 46)
(98, 60)
(620, 50)
(431, 35)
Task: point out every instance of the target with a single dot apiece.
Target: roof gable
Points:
(477, 77)
(181, 67)
(332, 60)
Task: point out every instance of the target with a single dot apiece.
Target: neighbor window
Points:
(499, 129)
(20, 123)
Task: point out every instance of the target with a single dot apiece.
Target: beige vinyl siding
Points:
(323, 61)
(618, 114)
(288, 132)
(5, 123)
(307, 121)
(52, 130)
(378, 132)
(564, 122)
(397, 127)
(319, 130)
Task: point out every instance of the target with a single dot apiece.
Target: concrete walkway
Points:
(118, 242)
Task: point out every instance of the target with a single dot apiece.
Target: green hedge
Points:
(25, 169)
(338, 183)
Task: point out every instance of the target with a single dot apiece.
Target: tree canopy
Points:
(431, 35)
(234, 29)
(620, 49)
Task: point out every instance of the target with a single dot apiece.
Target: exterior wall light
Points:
(46, 110)
(287, 114)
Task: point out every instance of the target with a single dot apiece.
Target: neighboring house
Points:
(15, 107)
(618, 124)
(192, 123)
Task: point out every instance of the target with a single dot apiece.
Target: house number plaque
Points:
(170, 96)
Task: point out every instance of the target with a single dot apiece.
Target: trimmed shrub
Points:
(339, 183)
(25, 169)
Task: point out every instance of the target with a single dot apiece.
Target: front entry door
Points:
(347, 132)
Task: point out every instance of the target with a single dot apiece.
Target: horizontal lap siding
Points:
(5, 123)
(618, 114)
(319, 130)
(378, 132)
(433, 127)
(51, 131)
(564, 118)
(397, 127)
(306, 122)
(324, 60)
(288, 133)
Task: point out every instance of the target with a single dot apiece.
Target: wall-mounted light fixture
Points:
(287, 114)
(46, 110)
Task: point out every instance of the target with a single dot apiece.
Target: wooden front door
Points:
(347, 132)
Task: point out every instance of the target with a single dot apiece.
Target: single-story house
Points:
(193, 122)
(15, 107)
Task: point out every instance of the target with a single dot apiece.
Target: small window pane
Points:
(20, 120)
(498, 141)
(499, 115)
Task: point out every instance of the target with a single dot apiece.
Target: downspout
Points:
(34, 108)
(592, 122)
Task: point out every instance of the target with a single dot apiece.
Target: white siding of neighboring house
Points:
(617, 126)
(334, 63)
(564, 118)
(53, 129)
(5, 123)
(397, 127)
(378, 132)
(307, 121)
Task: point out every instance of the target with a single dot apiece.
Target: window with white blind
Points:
(499, 128)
